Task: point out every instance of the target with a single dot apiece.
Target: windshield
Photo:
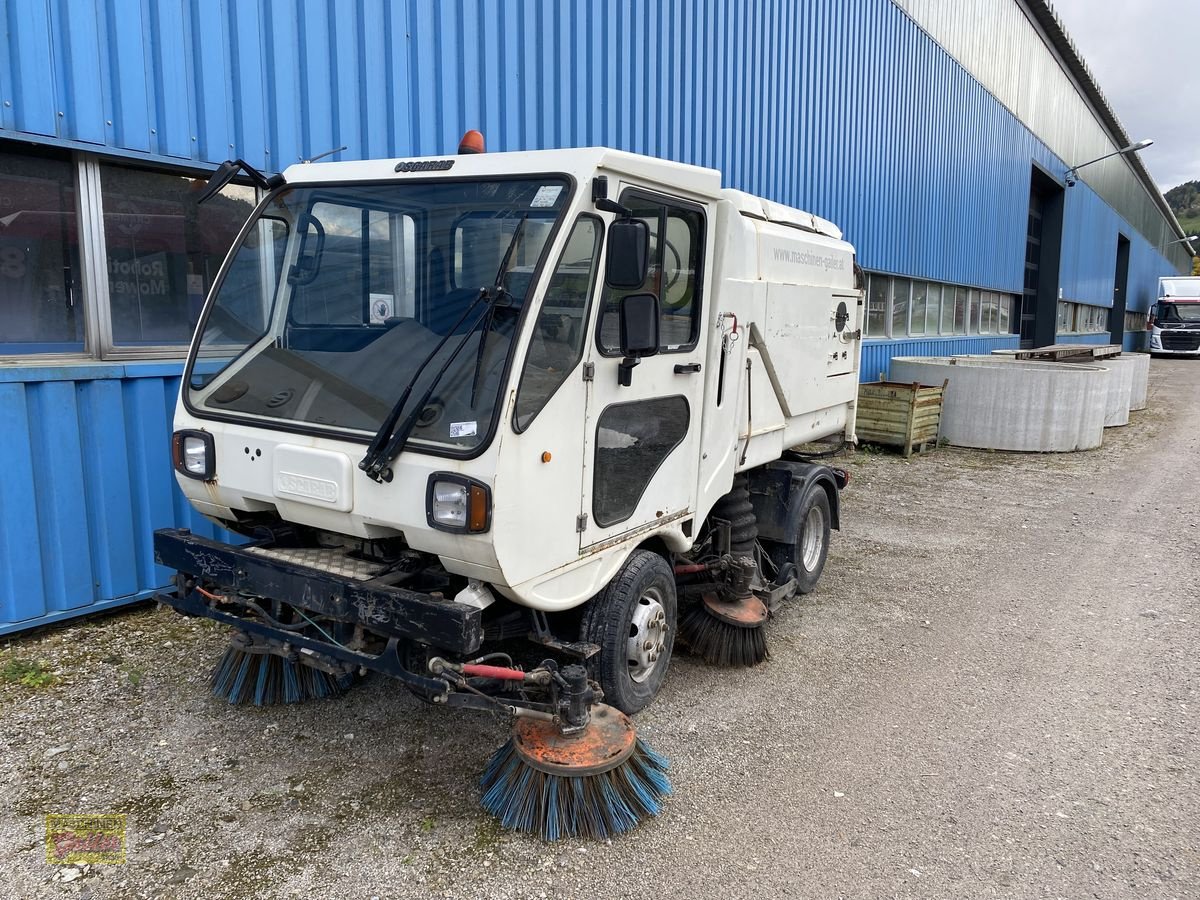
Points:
(338, 295)
(1179, 312)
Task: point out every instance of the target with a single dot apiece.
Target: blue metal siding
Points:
(843, 107)
(87, 480)
(876, 361)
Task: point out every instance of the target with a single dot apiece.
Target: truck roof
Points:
(580, 163)
(1179, 289)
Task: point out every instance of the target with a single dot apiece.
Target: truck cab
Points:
(1174, 320)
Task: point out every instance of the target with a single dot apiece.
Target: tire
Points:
(640, 602)
(810, 546)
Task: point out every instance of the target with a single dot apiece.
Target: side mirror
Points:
(224, 174)
(628, 254)
(639, 333)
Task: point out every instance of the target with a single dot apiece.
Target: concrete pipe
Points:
(993, 404)
(1141, 378)
(1120, 382)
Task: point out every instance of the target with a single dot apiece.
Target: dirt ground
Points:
(992, 693)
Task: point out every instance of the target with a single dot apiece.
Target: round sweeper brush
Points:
(266, 679)
(595, 783)
(726, 632)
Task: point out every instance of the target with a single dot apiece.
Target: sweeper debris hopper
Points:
(455, 411)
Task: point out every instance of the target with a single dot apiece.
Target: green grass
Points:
(1191, 224)
(27, 673)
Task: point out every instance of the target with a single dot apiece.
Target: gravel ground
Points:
(990, 694)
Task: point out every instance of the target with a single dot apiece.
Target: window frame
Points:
(108, 349)
(664, 200)
(84, 277)
(93, 285)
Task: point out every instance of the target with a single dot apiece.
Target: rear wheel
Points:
(633, 622)
(810, 545)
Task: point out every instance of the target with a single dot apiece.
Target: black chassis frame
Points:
(400, 615)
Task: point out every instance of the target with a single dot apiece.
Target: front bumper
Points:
(1181, 342)
(393, 613)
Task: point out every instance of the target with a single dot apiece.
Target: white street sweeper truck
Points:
(462, 409)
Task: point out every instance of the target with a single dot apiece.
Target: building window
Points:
(961, 309)
(948, 309)
(163, 251)
(933, 307)
(929, 309)
(920, 297)
(901, 290)
(1135, 321)
(877, 299)
(41, 300)
(1080, 318)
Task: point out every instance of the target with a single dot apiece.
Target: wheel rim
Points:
(814, 537)
(647, 635)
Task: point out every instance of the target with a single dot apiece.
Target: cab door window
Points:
(674, 274)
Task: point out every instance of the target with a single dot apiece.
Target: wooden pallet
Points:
(908, 416)
(1072, 352)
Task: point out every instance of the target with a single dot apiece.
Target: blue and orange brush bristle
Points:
(266, 679)
(597, 783)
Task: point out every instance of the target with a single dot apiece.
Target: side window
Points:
(674, 275)
(558, 334)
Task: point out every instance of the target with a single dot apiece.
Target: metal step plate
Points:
(334, 561)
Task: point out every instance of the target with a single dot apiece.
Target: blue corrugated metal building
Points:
(936, 135)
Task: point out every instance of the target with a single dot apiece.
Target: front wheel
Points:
(633, 622)
(807, 553)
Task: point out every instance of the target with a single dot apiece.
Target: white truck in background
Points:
(1174, 319)
(452, 402)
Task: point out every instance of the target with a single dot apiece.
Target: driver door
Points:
(642, 440)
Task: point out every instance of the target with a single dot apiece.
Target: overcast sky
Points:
(1143, 54)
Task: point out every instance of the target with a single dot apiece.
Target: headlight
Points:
(193, 454)
(459, 504)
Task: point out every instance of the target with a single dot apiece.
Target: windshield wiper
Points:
(389, 440)
(383, 448)
(381, 452)
(499, 292)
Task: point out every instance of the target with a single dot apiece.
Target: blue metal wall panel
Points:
(87, 480)
(75, 48)
(1102, 338)
(210, 88)
(126, 89)
(26, 77)
(876, 361)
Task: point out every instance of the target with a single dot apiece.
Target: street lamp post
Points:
(1070, 175)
